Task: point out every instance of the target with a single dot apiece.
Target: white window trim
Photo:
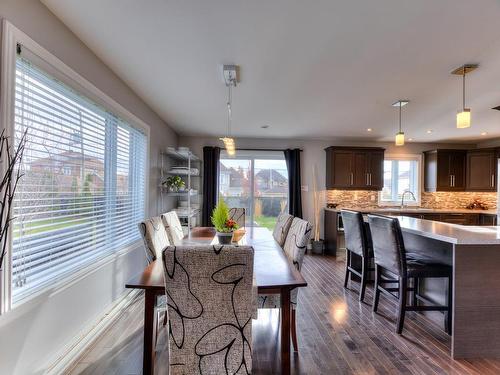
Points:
(10, 37)
(417, 157)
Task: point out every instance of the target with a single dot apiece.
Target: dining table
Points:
(274, 273)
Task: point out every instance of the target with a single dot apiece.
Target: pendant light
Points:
(230, 78)
(463, 116)
(400, 135)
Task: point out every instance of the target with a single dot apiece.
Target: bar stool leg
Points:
(364, 277)
(347, 264)
(415, 291)
(403, 286)
(448, 319)
(376, 291)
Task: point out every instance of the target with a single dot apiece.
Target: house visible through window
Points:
(401, 175)
(83, 189)
(256, 181)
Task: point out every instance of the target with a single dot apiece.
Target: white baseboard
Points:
(68, 358)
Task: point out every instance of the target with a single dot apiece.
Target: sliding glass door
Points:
(256, 181)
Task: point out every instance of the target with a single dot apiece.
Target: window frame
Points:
(418, 196)
(11, 36)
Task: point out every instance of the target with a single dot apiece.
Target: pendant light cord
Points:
(229, 111)
(400, 105)
(463, 87)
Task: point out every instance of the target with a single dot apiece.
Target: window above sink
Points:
(401, 176)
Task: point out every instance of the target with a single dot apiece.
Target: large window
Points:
(401, 175)
(83, 189)
(257, 181)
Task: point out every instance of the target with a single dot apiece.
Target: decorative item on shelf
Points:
(463, 116)
(222, 223)
(174, 184)
(400, 135)
(230, 76)
(477, 204)
(317, 243)
(11, 156)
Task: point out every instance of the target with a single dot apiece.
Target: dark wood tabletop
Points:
(272, 269)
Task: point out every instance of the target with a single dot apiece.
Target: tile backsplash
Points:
(449, 200)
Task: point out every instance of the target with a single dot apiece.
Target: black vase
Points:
(224, 238)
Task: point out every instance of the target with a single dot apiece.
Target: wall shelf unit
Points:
(183, 163)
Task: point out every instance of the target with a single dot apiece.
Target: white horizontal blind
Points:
(83, 189)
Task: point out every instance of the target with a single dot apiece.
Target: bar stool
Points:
(357, 241)
(392, 265)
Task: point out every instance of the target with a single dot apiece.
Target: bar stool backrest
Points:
(355, 231)
(388, 245)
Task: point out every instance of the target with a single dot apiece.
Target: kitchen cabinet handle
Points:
(367, 179)
(451, 180)
(492, 180)
(370, 179)
(352, 178)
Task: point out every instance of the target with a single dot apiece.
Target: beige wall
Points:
(313, 155)
(33, 334)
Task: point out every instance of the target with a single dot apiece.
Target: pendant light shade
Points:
(400, 139)
(400, 135)
(464, 115)
(463, 119)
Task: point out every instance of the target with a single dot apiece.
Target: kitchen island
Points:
(474, 253)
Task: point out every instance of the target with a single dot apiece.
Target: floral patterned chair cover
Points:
(210, 298)
(173, 226)
(282, 227)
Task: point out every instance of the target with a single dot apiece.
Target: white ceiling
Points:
(309, 69)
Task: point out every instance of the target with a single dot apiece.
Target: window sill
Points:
(67, 281)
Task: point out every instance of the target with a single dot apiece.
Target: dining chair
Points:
(358, 243)
(295, 247)
(173, 227)
(155, 237)
(211, 301)
(394, 266)
(238, 214)
(282, 227)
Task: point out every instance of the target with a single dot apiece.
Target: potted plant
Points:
(317, 243)
(174, 183)
(222, 223)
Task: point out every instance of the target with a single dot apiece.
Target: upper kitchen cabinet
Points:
(481, 170)
(354, 168)
(444, 170)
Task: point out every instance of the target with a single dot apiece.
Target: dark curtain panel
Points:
(292, 158)
(211, 156)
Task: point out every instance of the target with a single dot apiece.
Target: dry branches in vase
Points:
(10, 157)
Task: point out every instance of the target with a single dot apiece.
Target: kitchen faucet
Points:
(407, 191)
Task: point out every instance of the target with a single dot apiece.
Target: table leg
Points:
(285, 331)
(148, 358)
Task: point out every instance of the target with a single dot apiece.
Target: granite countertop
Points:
(452, 233)
(417, 210)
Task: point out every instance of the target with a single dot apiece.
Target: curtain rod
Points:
(263, 149)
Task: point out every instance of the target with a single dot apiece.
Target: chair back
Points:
(154, 236)
(296, 241)
(238, 214)
(388, 245)
(356, 234)
(282, 227)
(210, 306)
(173, 227)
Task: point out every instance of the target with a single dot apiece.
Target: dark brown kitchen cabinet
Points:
(354, 168)
(444, 170)
(481, 170)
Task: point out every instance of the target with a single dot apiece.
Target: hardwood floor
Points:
(337, 335)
